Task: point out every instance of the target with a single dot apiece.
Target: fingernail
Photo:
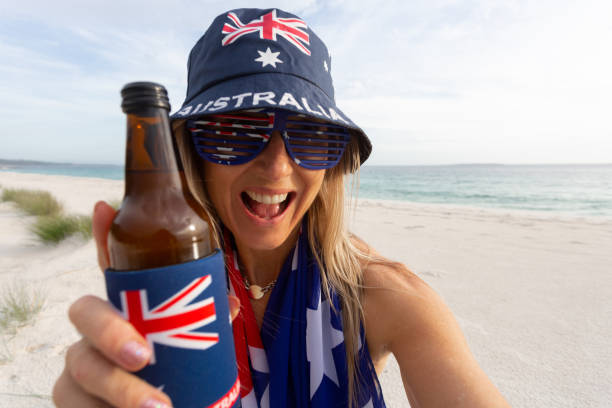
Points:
(133, 353)
(153, 403)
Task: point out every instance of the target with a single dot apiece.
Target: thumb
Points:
(102, 219)
(234, 306)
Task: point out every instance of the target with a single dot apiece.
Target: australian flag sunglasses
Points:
(236, 138)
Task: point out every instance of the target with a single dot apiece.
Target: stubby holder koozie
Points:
(183, 313)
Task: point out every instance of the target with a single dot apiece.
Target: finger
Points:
(67, 394)
(99, 377)
(108, 332)
(103, 215)
(234, 306)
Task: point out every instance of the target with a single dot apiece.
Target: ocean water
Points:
(106, 171)
(584, 190)
(573, 189)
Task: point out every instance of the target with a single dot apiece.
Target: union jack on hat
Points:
(263, 58)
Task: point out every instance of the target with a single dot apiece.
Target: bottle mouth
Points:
(138, 95)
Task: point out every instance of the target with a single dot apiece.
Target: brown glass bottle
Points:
(159, 222)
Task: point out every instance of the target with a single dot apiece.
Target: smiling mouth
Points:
(266, 206)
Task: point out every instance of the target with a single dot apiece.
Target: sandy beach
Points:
(531, 291)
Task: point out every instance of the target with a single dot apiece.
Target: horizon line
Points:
(41, 162)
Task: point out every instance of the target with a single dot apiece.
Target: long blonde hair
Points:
(340, 261)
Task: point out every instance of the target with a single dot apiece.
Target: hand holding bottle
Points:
(98, 371)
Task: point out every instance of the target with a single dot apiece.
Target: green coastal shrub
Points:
(52, 225)
(55, 228)
(33, 202)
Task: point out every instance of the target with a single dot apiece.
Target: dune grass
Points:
(33, 202)
(19, 305)
(55, 228)
(52, 224)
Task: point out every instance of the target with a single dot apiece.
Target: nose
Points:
(274, 160)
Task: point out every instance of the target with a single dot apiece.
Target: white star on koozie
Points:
(268, 58)
(319, 345)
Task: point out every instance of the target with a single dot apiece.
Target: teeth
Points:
(267, 199)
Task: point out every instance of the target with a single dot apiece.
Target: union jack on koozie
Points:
(182, 312)
(172, 322)
(268, 27)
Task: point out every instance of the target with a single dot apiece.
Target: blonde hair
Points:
(340, 261)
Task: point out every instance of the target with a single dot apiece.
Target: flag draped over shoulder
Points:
(298, 359)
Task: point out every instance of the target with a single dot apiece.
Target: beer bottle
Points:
(159, 223)
(164, 277)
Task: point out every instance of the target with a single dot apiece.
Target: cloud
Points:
(516, 83)
(432, 81)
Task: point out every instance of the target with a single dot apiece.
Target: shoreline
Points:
(531, 292)
(494, 211)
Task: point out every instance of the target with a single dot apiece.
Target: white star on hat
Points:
(325, 66)
(268, 58)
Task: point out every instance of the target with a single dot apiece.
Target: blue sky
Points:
(431, 82)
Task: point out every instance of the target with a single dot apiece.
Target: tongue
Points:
(264, 210)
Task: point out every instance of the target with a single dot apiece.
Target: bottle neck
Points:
(150, 161)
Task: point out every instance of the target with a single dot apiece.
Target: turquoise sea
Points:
(571, 189)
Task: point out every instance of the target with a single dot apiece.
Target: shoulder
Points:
(399, 305)
(406, 317)
(395, 299)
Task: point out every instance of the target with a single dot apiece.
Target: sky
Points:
(430, 81)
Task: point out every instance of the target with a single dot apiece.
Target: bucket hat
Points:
(263, 58)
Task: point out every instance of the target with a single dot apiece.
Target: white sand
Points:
(531, 291)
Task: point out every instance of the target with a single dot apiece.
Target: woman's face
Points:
(263, 201)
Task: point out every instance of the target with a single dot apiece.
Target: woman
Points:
(303, 284)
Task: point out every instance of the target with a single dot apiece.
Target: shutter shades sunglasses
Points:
(237, 138)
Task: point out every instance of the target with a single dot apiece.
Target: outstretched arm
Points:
(406, 317)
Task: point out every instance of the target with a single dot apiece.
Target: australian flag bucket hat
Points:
(263, 58)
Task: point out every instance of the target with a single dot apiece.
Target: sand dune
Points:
(531, 291)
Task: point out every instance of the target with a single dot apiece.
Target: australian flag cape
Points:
(298, 359)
